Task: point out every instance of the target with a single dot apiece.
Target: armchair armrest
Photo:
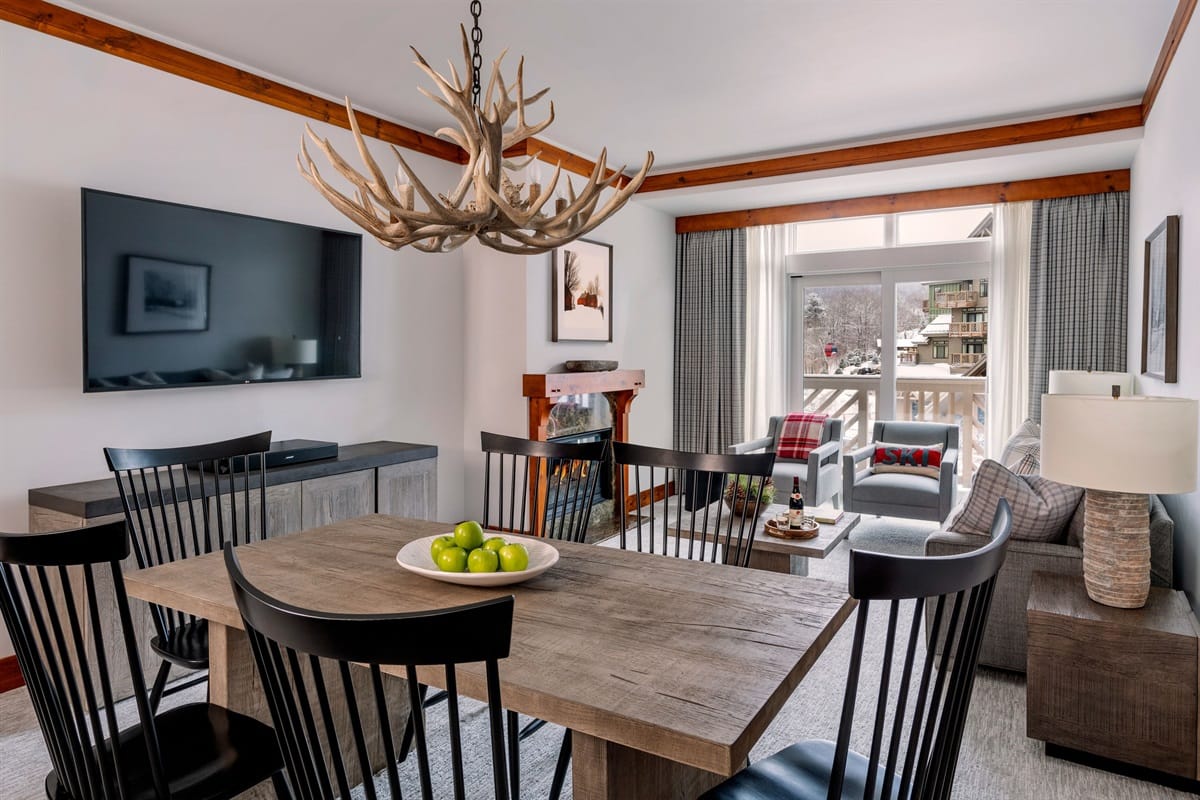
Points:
(850, 460)
(949, 464)
(741, 448)
(948, 483)
(828, 450)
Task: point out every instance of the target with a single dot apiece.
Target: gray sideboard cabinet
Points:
(375, 477)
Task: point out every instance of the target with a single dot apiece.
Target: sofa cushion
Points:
(897, 488)
(1023, 452)
(911, 459)
(1041, 508)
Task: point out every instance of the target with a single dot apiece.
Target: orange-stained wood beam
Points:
(1012, 191)
(1179, 23)
(553, 154)
(90, 32)
(939, 144)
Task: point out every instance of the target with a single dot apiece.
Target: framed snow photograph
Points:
(582, 292)
(1160, 303)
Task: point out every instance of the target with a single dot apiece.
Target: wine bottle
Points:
(796, 506)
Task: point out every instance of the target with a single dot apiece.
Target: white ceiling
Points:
(705, 81)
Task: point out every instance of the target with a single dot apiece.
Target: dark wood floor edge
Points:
(1135, 771)
(10, 674)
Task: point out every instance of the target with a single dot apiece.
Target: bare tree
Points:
(570, 279)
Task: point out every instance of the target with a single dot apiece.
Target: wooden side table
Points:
(1114, 688)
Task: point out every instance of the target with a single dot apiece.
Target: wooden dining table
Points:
(667, 671)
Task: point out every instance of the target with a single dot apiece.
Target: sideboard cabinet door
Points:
(337, 497)
(409, 489)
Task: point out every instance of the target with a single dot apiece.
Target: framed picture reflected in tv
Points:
(177, 295)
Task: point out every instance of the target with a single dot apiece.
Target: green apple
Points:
(494, 543)
(452, 559)
(439, 544)
(468, 535)
(483, 560)
(514, 558)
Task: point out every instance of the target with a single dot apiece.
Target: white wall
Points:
(1166, 180)
(75, 117)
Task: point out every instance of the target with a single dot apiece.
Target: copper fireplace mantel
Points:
(544, 390)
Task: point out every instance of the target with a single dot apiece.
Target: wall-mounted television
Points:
(176, 295)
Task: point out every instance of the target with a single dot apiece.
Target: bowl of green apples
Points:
(469, 556)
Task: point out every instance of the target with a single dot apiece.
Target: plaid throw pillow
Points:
(800, 435)
(923, 459)
(1041, 508)
(1023, 453)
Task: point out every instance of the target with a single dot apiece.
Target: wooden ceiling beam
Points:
(919, 147)
(1009, 192)
(553, 154)
(1179, 23)
(90, 32)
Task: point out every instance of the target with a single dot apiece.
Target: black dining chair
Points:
(181, 502)
(915, 756)
(701, 526)
(304, 655)
(540, 488)
(48, 596)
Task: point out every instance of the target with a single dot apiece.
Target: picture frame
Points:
(1160, 303)
(166, 296)
(581, 304)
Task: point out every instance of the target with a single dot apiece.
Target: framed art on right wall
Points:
(1160, 303)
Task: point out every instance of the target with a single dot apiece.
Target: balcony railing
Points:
(955, 401)
(965, 299)
(966, 359)
(908, 358)
(961, 329)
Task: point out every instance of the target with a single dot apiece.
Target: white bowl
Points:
(415, 557)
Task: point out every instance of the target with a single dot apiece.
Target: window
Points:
(975, 315)
(840, 234)
(939, 349)
(973, 346)
(948, 225)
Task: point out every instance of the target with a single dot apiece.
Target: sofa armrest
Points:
(741, 448)
(952, 543)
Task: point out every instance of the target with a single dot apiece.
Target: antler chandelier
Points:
(487, 204)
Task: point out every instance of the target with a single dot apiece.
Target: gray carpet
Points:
(997, 761)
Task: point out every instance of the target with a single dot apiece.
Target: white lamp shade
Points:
(295, 351)
(1139, 445)
(1077, 381)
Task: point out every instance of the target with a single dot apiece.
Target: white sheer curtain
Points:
(766, 324)
(1008, 324)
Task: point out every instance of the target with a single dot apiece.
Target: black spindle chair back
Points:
(711, 531)
(181, 502)
(49, 601)
(519, 475)
(915, 756)
(301, 654)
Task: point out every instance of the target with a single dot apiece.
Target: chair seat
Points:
(897, 488)
(186, 645)
(799, 772)
(208, 752)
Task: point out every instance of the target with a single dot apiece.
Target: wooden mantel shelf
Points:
(560, 384)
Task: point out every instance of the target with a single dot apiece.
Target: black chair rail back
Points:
(302, 654)
(49, 602)
(520, 474)
(706, 530)
(918, 748)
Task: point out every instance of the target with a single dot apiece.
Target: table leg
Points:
(783, 563)
(603, 770)
(233, 683)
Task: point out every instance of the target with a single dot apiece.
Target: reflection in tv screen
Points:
(182, 296)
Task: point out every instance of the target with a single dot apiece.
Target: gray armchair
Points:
(818, 474)
(894, 494)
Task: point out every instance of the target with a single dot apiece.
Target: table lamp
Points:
(1079, 381)
(295, 353)
(1120, 450)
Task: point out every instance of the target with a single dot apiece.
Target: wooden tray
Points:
(772, 528)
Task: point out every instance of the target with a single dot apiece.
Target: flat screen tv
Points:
(176, 295)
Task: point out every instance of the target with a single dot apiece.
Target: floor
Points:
(997, 761)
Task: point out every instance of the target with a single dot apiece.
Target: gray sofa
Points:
(820, 475)
(1004, 643)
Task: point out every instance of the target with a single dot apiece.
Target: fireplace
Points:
(557, 482)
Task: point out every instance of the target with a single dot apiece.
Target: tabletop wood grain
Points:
(688, 661)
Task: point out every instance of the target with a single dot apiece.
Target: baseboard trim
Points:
(1135, 771)
(10, 674)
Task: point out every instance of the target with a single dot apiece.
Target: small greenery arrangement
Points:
(740, 495)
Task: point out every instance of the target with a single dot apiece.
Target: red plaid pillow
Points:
(800, 435)
(917, 460)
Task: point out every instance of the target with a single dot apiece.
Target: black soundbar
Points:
(282, 453)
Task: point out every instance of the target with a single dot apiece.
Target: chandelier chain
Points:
(476, 59)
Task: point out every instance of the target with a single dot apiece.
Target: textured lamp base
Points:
(1116, 548)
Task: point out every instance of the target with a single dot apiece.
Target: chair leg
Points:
(160, 683)
(560, 768)
(282, 790)
(514, 757)
(409, 731)
(532, 727)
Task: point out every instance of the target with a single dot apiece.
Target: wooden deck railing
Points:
(960, 329)
(965, 299)
(956, 401)
(965, 359)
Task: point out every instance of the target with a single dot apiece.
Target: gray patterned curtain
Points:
(710, 338)
(1079, 285)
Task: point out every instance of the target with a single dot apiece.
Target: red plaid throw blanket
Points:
(801, 435)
